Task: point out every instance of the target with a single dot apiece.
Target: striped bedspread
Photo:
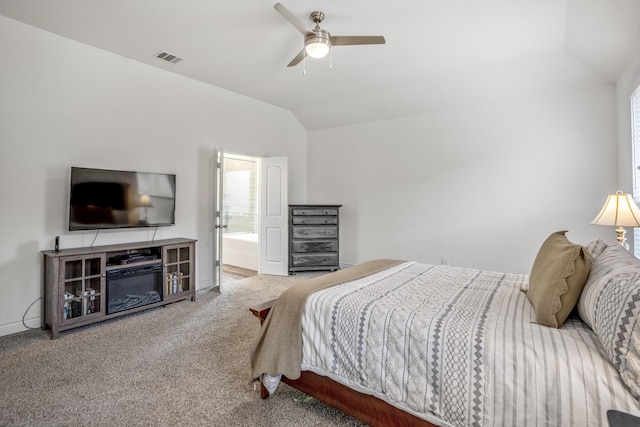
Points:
(459, 347)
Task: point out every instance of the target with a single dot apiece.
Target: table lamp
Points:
(145, 202)
(620, 211)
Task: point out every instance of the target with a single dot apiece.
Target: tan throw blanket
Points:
(278, 348)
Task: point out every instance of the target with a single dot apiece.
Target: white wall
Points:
(63, 103)
(482, 186)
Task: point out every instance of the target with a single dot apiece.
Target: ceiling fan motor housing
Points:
(317, 17)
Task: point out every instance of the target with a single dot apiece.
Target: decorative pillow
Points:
(615, 322)
(557, 277)
(595, 247)
(613, 258)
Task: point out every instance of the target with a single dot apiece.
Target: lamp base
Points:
(622, 241)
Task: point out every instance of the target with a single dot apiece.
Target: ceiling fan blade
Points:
(301, 26)
(354, 40)
(299, 57)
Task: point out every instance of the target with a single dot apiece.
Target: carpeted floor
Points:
(184, 364)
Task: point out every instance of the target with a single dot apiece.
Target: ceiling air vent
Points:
(169, 57)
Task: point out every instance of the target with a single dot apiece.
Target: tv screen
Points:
(101, 198)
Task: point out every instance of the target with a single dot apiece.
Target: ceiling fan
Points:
(318, 42)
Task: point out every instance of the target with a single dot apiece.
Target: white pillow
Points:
(613, 258)
(595, 247)
(615, 321)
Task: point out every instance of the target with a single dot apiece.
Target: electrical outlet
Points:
(445, 261)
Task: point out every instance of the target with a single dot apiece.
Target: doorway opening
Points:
(240, 213)
(250, 207)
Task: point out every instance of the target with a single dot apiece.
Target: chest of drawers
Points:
(313, 237)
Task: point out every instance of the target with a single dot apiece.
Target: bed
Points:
(405, 343)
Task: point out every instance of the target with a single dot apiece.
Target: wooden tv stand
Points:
(75, 280)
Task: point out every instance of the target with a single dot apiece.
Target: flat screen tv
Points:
(104, 199)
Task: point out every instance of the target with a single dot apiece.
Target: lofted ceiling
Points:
(438, 54)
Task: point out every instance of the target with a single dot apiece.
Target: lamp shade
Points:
(145, 201)
(619, 210)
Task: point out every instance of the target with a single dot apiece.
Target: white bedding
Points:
(460, 347)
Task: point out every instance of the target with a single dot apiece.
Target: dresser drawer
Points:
(304, 232)
(315, 211)
(314, 220)
(313, 260)
(314, 246)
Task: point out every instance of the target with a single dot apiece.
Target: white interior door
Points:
(274, 231)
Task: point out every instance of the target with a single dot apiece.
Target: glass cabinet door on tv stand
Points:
(84, 286)
(179, 269)
(75, 290)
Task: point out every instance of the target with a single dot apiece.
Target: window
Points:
(635, 140)
(240, 208)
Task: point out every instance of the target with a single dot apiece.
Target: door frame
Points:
(273, 246)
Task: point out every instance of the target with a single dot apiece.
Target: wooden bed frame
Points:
(364, 407)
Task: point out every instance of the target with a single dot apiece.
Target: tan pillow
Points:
(558, 275)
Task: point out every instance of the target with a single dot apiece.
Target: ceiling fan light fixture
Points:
(318, 44)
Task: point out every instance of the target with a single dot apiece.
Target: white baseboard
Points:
(14, 328)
